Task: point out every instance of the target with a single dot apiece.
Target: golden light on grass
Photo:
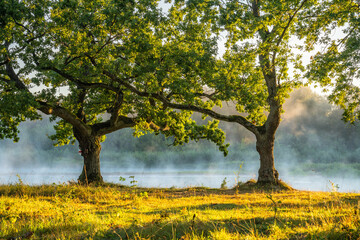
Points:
(112, 211)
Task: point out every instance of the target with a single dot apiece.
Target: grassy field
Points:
(71, 211)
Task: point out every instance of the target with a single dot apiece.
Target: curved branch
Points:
(80, 102)
(14, 77)
(228, 118)
(64, 114)
(79, 83)
(289, 23)
(45, 107)
(109, 127)
(114, 110)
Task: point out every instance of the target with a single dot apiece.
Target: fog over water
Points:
(169, 178)
(314, 150)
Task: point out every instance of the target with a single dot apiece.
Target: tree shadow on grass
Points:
(168, 227)
(202, 207)
(54, 232)
(171, 229)
(332, 234)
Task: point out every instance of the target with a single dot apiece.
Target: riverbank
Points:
(167, 178)
(71, 211)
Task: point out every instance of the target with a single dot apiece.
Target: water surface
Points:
(178, 179)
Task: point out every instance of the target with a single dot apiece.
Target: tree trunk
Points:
(265, 147)
(90, 148)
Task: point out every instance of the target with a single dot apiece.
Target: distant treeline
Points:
(310, 135)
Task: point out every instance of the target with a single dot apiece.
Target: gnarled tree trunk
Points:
(90, 150)
(265, 147)
(265, 140)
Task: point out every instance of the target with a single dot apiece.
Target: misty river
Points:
(178, 179)
(308, 155)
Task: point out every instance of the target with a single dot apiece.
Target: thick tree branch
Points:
(21, 25)
(122, 122)
(69, 59)
(207, 95)
(228, 118)
(66, 115)
(109, 127)
(45, 107)
(34, 38)
(79, 83)
(81, 99)
(14, 78)
(71, 78)
(116, 107)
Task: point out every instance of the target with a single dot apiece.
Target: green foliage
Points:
(133, 182)
(15, 107)
(223, 184)
(64, 133)
(336, 67)
(88, 57)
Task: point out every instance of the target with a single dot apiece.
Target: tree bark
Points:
(265, 147)
(265, 140)
(90, 148)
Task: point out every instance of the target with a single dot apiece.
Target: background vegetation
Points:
(311, 139)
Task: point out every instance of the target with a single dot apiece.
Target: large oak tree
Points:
(253, 72)
(73, 60)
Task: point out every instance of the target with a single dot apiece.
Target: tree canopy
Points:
(336, 67)
(74, 59)
(253, 72)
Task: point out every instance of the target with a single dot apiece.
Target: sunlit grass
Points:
(71, 211)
